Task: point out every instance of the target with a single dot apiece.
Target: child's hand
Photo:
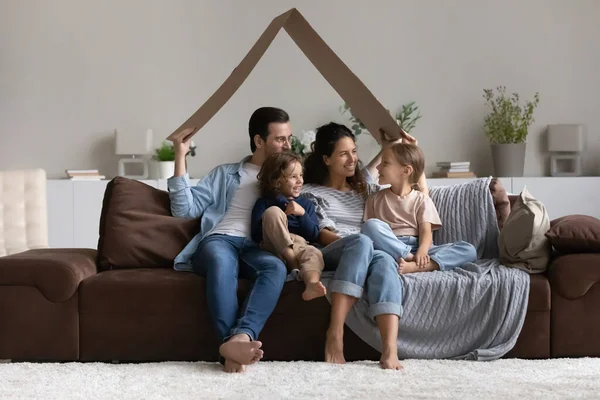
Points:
(294, 208)
(421, 258)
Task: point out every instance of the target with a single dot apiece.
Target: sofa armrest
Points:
(55, 272)
(573, 275)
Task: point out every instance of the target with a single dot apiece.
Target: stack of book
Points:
(84, 174)
(454, 169)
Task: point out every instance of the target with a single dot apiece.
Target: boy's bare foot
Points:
(334, 348)
(233, 367)
(241, 350)
(389, 360)
(314, 290)
(407, 267)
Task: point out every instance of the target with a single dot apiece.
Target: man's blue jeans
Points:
(218, 259)
(358, 266)
(448, 256)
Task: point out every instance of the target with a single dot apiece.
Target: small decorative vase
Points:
(508, 159)
(166, 169)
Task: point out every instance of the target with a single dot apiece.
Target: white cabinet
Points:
(59, 195)
(563, 195)
(74, 209)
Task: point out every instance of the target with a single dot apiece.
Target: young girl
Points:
(284, 224)
(400, 220)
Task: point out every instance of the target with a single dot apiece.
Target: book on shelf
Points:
(87, 178)
(84, 174)
(446, 174)
(453, 169)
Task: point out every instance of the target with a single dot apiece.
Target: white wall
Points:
(71, 71)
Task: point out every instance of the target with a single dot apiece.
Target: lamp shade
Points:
(565, 138)
(133, 143)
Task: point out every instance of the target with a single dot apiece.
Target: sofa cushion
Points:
(522, 241)
(575, 234)
(137, 229)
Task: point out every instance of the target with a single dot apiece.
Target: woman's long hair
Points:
(315, 170)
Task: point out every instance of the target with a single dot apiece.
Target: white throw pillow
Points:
(522, 241)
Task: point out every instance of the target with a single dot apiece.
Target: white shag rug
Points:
(431, 379)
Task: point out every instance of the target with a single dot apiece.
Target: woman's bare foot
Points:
(241, 350)
(389, 360)
(233, 367)
(314, 290)
(334, 348)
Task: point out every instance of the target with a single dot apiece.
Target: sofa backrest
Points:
(137, 229)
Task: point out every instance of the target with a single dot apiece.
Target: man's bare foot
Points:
(233, 367)
(389, 360)
(314, 290)
(407, 267)
(334, 348)
(241, 350)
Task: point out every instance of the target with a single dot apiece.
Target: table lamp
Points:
(133, 144)
(565, 142)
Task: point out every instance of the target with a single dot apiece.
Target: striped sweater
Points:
(341, 212)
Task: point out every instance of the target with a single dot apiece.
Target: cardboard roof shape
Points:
(362, 102)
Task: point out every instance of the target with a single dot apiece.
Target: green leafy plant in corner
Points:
(507, 121)
(408, 116)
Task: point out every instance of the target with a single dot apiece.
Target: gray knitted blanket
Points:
(475, 312)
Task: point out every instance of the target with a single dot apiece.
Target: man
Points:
(224, 200)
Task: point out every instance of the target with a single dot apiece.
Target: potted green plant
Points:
(165, 158)
(507, 126)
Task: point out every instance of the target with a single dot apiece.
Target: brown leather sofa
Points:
(125, 302)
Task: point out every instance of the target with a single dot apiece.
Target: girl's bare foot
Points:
(407, 267)
(314, 290)
(334, 348)
(241, 350)
(389, 360)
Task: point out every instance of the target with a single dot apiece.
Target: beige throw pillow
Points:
(522, 241)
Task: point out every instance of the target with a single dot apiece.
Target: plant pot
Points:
(166, 169)
(508, 159)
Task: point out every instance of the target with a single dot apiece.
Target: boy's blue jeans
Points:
(357, 265)
(447, 256)
(218, 258)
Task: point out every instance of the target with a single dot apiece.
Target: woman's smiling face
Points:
(344, 158)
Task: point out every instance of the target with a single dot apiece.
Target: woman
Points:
(339, 187)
